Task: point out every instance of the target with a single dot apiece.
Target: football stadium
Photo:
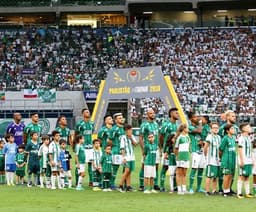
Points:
(127, 105)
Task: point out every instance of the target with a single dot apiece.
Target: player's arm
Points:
(141, 141)
(161, 141)
(206, 146)
(51, 156)
(71, 138)
(16, 162)
(240, 152)
(27, 150)
(25, 135)
(222, 147)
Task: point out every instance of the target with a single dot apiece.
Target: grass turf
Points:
(21, 198)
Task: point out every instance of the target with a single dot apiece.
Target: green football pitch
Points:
(21, 198)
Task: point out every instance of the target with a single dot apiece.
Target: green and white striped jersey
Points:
(212, 157)
(97, 154)
(54, 149)
(245, 143)
(43, 155)
(127, 146)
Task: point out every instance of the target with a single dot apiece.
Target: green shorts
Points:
(33, 168)
(2, 167)
(20, 173)
(130, 165)
(212, 171)
(246, 171)
(172, 160)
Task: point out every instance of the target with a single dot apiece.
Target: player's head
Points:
(45, 139)
(21, 148)
(108, 120)
(170, 140)
(17, 117)
(34, 117)
(173, 113)
(214, 127)
(128, 129)
(151, 137)
(183, 128)
(108, 149)
(86, 113)
(230, 117)
(1, 143)
(62, 121)
(193, 117)
(119, 119)
(96, 143)
(63, 143)
(34, 135)
(245, 128)
(205, 120)
(79, 139)
(150, 114)
(9, 137)
(56, 135)
(229, 129)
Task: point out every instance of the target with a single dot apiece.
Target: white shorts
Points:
(81, 168)
(55, 168)
(158, 159)
(198, 161)
(182, 164)
(88, 155)
(117, 159)
(171, 170)
(149, 171)
(165, 162)
(66, 174)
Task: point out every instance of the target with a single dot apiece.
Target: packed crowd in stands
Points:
(212, 68)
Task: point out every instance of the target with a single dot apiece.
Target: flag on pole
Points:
(30, 93)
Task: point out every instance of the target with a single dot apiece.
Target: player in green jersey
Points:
(182, 157)
(227, 152)
(65, 132)
(168, 128)
(32, 127)
(198, 159)
(104, 131)
(205, 127)
(244, 160)
(150, 152)
(230, 117)
(146, 127)
(96, 168)
(211, 152)
(85, 128)
(106, 167)
(45, 169)
(31, 149)
(127, 144)
(80, 160)
(114, 140)
(2, 163)
(20, 164)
